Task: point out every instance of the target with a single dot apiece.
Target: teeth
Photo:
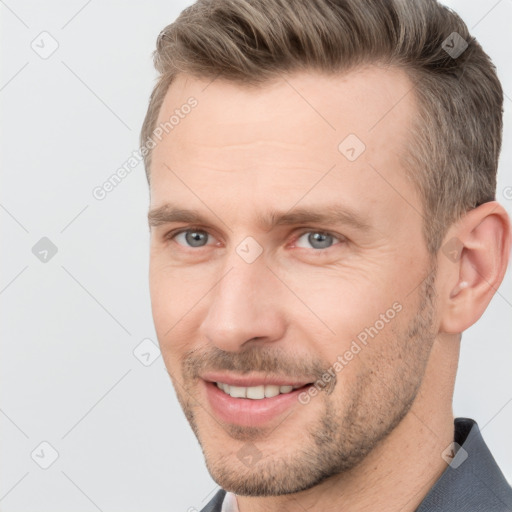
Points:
(254, 392)
(237, 391)
(271, 391)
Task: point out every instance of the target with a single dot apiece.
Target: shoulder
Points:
(472, 481)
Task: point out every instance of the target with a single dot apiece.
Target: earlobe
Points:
(483, 236)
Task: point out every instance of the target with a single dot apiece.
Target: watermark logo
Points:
(44, 455)
(454, 455)
(45, 45)
(453, 249)
(351, 147)
(146, 352)
(249, 454)
(454, 45)
(249, 250)
(44, 250)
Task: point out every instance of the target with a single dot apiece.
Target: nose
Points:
(245, 307)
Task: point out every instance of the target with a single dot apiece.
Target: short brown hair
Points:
(456, 135)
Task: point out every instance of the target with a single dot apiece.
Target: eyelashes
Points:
(325, 237)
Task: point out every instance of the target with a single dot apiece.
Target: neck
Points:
(401, 470)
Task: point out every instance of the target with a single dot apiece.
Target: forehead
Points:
(367, 101)
(283, 136)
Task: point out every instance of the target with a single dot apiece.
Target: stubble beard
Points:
(341, 437)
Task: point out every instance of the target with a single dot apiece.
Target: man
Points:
(323, 229)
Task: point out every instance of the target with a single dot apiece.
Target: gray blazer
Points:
(476, 485)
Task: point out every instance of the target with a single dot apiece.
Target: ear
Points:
(473, 261)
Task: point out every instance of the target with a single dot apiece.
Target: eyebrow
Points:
(328, 214)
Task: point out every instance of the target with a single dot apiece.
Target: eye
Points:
(190, 237)
(316, 239)
(196, 238)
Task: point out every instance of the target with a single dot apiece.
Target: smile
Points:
(255, 392)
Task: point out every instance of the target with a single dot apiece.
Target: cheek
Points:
(173, 290)
(345, 303)
(177, 303)
(357, 325)
(369, 367)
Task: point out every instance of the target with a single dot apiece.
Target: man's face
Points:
(241, 300)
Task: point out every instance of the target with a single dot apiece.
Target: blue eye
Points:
(196, 238)
(317, 240)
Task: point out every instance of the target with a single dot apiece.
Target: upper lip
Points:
(249, 381)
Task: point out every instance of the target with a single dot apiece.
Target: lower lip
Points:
(246, 411)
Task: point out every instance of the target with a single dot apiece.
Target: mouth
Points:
(251, 402)
(257, 392)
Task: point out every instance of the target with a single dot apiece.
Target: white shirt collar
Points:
(229, 504)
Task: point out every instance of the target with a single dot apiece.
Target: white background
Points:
(68, 373)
